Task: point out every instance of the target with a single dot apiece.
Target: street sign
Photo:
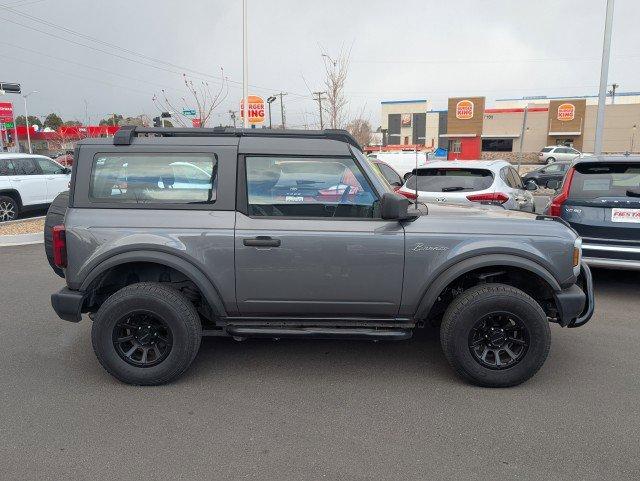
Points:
(189, 112)
(8, 125)
(6, 112)
(256, 109)
(10, 88)
(196, 123)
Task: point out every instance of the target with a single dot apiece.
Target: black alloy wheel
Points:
(142, 339)
(499, 340)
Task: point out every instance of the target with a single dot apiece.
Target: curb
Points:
(21, 239)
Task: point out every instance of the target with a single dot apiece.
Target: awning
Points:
(565, 133)
(500, 136)
(454, 136)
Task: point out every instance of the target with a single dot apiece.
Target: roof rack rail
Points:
(125, 134)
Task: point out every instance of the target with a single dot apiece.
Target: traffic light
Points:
(157, 122)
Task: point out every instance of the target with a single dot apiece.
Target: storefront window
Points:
(497, 145)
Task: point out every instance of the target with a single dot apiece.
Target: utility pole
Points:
(26, 118)
(245, 67)
(232, 114)
(524, 129)
(604, 73)
(319, 98)
(282, 94)
(614, 87)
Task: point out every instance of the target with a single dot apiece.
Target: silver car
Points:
(553, 153)
(470, 182)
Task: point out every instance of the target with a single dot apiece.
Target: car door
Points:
(553, 171)
(309, 240)
(29, 181)
(57, 177)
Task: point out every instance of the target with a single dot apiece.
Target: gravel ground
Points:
(29, 226)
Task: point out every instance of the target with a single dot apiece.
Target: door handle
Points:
(261, 241)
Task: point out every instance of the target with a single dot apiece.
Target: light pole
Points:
(245, 68)
(26, 118)
(270, 100)
(604, 73)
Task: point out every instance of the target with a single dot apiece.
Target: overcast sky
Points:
(402, 49)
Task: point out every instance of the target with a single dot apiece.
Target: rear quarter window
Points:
(547, 149)
(154, 178)
(591, 181)
(451, 180)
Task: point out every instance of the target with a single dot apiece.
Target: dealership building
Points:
(470, 130)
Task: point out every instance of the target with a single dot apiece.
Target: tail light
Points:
(59, 246)
(407, 194)
(489, 197)
(555, 208)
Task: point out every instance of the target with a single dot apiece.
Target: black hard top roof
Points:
(126, 133)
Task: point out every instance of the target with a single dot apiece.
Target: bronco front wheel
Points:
(146, 334)
(495, 335)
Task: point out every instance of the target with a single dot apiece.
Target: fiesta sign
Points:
(256, 109)
(464, 110)
(566, 112)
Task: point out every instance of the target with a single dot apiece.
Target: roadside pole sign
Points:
(196, 123)
(6, 112)
(255, 110)
(189, 112)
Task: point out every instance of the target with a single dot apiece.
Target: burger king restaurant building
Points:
(468, 130)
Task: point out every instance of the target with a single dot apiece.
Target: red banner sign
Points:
(6, 112)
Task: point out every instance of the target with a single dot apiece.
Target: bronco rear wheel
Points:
(495, 335)
(146, 334)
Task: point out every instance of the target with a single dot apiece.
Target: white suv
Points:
(29, 182)
(552, 153)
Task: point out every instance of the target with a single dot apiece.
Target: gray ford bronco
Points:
(168, 235)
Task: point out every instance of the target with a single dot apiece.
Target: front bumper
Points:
(575, 304)
(68, 304)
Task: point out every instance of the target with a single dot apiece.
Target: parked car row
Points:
(29, 182)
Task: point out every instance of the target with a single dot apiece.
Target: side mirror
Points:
(531, 185)
(394, 207)
(553, 184)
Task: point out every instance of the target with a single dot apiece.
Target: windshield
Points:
(451, 180)
(606, 180)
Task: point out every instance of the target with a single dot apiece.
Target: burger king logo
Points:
(464, 110)
(566, 112)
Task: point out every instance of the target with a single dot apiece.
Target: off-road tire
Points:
(55, 216)
(165, 303)
(478, 301)
(11, 204)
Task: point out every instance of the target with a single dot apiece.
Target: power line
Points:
(114, 46)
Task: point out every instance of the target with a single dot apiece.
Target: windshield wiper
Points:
(452, 189)
(633, 193)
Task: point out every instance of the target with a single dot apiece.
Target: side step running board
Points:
(321, 333)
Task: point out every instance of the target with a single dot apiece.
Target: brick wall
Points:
(513, 157)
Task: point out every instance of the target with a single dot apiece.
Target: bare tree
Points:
(199, 93)
(361, 130)
(336, 71)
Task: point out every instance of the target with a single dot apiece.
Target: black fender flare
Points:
(191, 271)
(434, 289)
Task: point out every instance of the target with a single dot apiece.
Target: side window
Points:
(6, 167)
(505, 174)
(514, 179)
(308, 187)
(154, 178)
(25, 167)
(390, 175)
(48, 167)
(552, 168)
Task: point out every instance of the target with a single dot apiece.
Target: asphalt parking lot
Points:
(297, 410)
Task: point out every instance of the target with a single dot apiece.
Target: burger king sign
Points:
(566, 112)
(464, 110)
(256, 109)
